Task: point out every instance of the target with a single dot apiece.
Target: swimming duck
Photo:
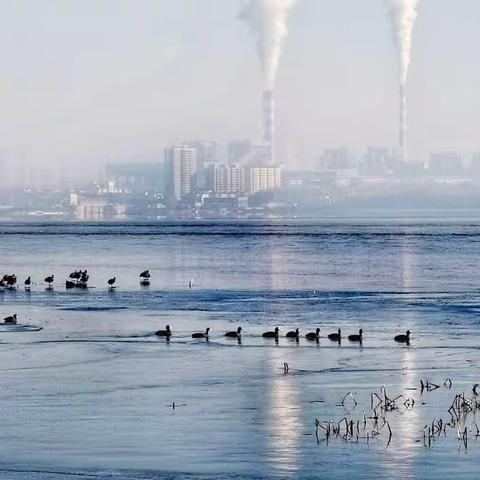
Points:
(403, 338)
(294, 334)
(164, 333)
(201, 335)
(336, 337)
(273, 334)
(356, 338)
(10, 320)
(313, 335)
(236, 334)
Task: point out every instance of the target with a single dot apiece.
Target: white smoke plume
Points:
(268, 20)
(403, 14)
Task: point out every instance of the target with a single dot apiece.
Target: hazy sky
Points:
(86, 81)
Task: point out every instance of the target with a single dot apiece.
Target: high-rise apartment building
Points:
(206, 155)
(180, 172)
(229, 179)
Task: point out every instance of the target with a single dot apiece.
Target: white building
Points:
(181, 169)
(229, 179)
(258, 179)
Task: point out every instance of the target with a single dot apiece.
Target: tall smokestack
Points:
(403, 14)
(269, 124)
(403, 124)
(268, 21)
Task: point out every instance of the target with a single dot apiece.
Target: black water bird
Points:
(145, 278)
(10, 320)
(28, 283)
(403, 338)
(145, 274)
(273, 334)
(10, 281)
(295, 334)
(356, 338)
(75, 275)
(202, 335)
(49, 280)
(236, 334)
(313, 335)
(111, 282)
(84, 277)
(336, 337)
(164, 333)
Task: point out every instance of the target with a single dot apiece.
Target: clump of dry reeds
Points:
(369, 426)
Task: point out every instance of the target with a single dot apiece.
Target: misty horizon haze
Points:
(92, 82)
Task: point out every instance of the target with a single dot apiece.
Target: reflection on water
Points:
(95, 385)
(403, 452)
(283, 423)
(406, 424)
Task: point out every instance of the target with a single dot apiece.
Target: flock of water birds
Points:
(79, 279)
(76, 279)
(292, 335)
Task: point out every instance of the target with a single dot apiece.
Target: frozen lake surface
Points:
(91, 394)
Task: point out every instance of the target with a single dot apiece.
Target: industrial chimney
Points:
(269, 124)
(403, 124)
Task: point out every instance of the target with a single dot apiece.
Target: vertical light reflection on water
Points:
(283, 410)
(406, 426)
(404, 450)
(283, 423)
(272, 264)
(188, 258)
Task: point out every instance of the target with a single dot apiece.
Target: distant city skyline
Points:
(193, 182)
(89, 82)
